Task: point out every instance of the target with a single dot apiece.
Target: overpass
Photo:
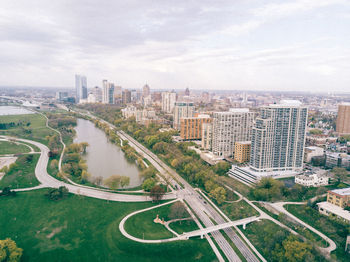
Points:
(206, 230)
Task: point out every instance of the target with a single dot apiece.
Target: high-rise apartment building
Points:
(207, 136)
(230, 127)
(126, 96)
(343, 119)
(107, 92)
(278, 137)
(168, 101)
(191, 127)
(80, 87)
(181, 110)
(97, 92)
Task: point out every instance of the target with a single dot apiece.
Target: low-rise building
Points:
(242, 151)
(337, 200)
(337, 160)
(339, 197)
(312, 151)
(312, 179)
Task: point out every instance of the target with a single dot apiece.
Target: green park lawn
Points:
(183, 226)
(332, 228)
(36, 131)
(12, 148)
(142, 226)
(84, 229)
(22, 174)
(238, 210)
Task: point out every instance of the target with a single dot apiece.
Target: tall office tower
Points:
(230, 127)
(80, 87)
(97, 92)
(126, 97)
(146, 91)
(278, 137)
(168, 101)
(181, 110)
(187, 91)
(343, 119)
(107, 92)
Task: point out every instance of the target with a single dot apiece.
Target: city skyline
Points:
(223, 45)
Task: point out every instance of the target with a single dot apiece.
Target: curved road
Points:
(48, 181)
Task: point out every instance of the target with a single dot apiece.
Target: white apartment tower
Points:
(278, 138)
(230, 127)
(80, 87)
(181, 110)
(168, 101)
(107, 92)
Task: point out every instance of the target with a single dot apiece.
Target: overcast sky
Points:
(220, 44)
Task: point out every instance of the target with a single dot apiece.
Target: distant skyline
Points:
(300, 45)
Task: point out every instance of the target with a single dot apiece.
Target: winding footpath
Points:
(48, 181)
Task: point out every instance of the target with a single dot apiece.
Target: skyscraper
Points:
(126, 97)
(229, 127)
(146, 91)
(168, 101)
(107, 92)
(343, 119)
(80, 87)
(278, 137)
(182, 109)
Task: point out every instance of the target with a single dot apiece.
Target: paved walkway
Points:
(48, 181)
(280, 207)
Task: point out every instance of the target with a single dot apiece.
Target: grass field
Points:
(238, 210)
(234, 184)
(36, 131)
(142, 226)
(12, 148)
(84, 229)
(183, 226)
(23, 174)
(337, 231)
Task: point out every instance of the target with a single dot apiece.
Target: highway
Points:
(205, 212)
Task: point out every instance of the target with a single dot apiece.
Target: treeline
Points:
(269, 189)
(186, 161)
(106, 112)
(74, 165)
(64, 123)
(4, 126)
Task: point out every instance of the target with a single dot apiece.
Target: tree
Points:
(148, 184)
(221, 168)
(84, 145)
(157, 193)
(9, 251)
(54, 164)
(113, 182)
(209, 185)
(296, 250)
(6, 191)
(85, 176)
(98, 180)
(219, 194)
(57, 193)
(124, 181)
(178, 210)
(340, 173)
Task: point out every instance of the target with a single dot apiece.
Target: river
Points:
(102, 157)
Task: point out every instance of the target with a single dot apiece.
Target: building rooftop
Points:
(342, 191)
(239, 110)
(287, 103)
(335, 210)
(244, 142)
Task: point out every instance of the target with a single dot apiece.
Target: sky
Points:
(299, 45)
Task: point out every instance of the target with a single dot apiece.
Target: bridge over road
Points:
(203, 231)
